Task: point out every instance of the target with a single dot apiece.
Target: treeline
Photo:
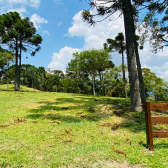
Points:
(71, 82)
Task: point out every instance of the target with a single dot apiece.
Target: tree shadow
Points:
(56, 110)
(82, 107)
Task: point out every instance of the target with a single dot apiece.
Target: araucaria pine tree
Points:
(19, 34)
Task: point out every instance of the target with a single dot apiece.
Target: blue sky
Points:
(59, 23)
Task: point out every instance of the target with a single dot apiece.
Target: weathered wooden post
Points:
(149, 137)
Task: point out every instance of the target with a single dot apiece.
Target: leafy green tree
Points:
(33, 76)
(114, 82)
(49, 82)
(153, 84)
(41, 73)
(73, 71)
(5, 58)
(58, 75)
(19, 34)
(92, 62)
(161, 93)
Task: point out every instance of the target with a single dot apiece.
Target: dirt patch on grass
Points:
(4, 126)
(116, 164)
(108, 164)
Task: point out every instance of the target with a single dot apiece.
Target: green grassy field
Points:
(42, 129)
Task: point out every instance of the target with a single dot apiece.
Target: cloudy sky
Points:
(59, 23)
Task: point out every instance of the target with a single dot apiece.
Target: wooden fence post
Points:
(149, 136)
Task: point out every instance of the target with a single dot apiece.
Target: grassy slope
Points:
(36, 131)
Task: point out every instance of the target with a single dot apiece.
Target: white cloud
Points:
(38, 20)
(15, 1)
(58, 1)
(32, 3)
(19, 10)
(61, 59)
(60, 23)
(96, 35)
(35, 3)
(46, 32)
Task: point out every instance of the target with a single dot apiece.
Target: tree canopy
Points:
(91, 62)
(19, 34)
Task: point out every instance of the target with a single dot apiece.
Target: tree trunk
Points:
(93, 79)
(123, 68)
(103, 85)
(20, 62)
(16, 69)
(100, 83)
(132, 70)
(7, 74)
(141, 83)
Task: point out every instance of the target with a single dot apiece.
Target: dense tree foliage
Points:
(6, 57)
(92, 62)
(114, 83)
(154, 85)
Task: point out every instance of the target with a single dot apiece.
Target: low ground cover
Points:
(49, 129)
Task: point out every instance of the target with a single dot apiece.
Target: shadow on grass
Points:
(77, 110)
(27, 89)
(79, 107)
(59, 117)
(156, 146)
(70, 109)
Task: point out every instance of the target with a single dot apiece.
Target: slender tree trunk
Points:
(20, 62)
(123, 68)
(132, 70)
(100, 83)
(93, 79)
(103, 85)
(141, 83)
(16, 68)
(7, 74)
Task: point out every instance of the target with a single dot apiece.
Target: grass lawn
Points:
(43, 129)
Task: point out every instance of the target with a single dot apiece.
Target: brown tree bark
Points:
(123, 68)
(140, 77)
(16, 69)
(93, 80)
(132, 70)
(20, 63)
